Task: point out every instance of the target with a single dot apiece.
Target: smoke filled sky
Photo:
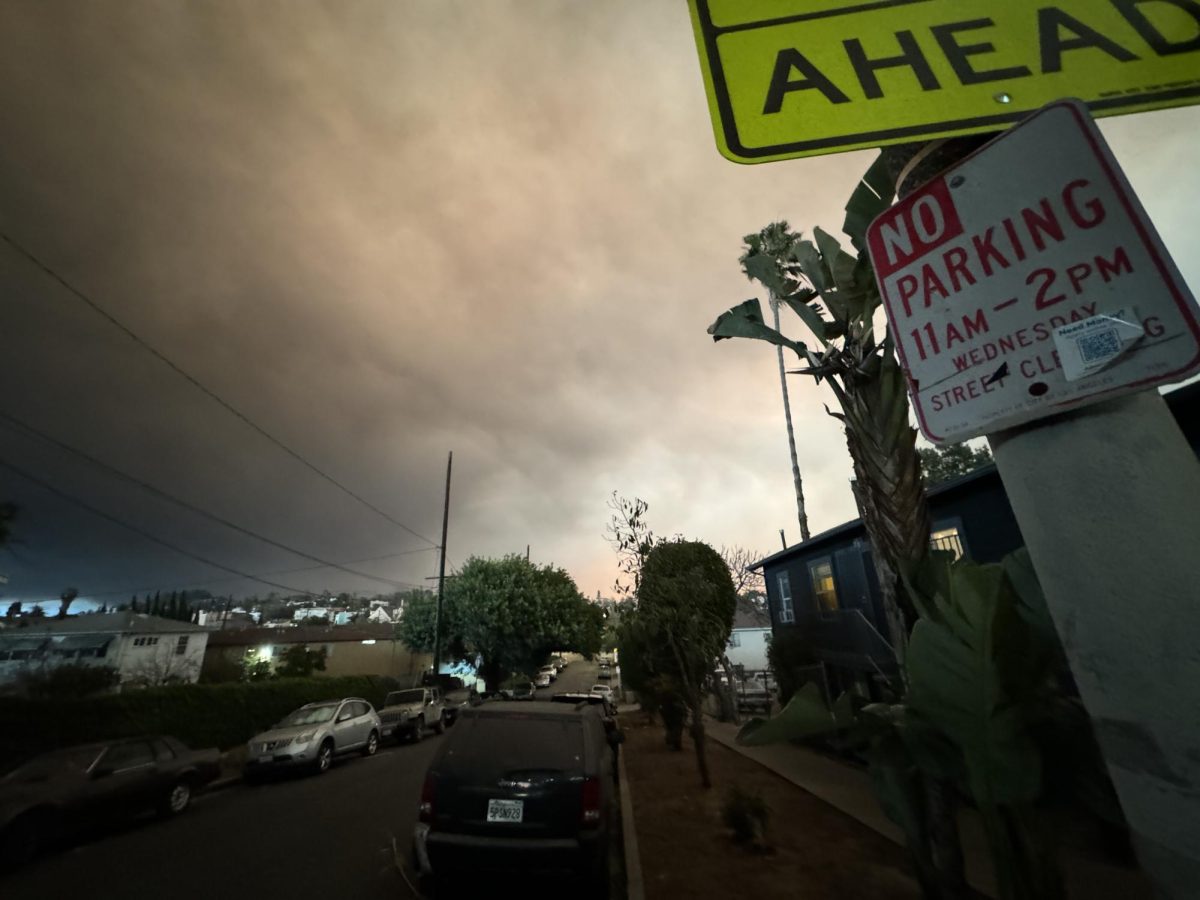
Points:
(383, 230)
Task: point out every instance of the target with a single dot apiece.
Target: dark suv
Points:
(519, 788)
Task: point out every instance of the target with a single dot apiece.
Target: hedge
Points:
(200, 715)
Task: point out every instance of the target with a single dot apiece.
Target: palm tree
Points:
(776, 241)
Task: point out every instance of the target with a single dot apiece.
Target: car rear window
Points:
(490, 745)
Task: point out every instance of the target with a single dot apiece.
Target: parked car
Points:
(549, 671)
(68, 791)
(605, 690)
(542, 680)
(559, 662)
(313, 735)
(406, 714)
(519, 789)
(522, 691)
(605, 673)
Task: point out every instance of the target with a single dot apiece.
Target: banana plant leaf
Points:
(799, 304)
(764, 269)
(746, 320)
(872, 196)
(963, 664)
(805, 716)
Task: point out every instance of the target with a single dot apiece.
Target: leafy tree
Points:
(14, 610)
(510, 612)
(685, 608)
(630, 536)
(298, 661)
(37, 612)
(951, 460)
(67, 597)
(777, 241)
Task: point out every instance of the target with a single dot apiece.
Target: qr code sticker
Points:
(1100, 345)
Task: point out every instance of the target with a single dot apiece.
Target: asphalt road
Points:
(298, 837)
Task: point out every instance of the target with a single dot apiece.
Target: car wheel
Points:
(176, 799)
(418, 731)
(324, 757)
(372, 744)
(440, 727)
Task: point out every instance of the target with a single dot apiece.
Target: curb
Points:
(634, 887)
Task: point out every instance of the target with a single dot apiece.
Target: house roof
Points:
(747, 615)
(848, 528)
(300, 634)
(110, 623)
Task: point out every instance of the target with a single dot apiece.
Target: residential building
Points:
(360, 649)
(144, 650)
(381, 615)
(303, 613)
(826, 590)
(750, 637)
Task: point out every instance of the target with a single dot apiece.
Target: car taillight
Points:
(425, 810)
(591, 801)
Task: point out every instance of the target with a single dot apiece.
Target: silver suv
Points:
(312, 735)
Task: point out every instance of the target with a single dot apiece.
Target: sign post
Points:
(1025, 288)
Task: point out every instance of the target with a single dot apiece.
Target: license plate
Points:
(505, 810)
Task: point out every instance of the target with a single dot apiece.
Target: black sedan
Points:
(64, 792)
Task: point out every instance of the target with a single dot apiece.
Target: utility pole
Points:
(437, 620)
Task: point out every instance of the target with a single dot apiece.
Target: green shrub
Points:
(745, 814)
(201, 715)
(67, 680)
(792, 660)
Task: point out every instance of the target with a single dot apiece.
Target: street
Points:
(299, 836)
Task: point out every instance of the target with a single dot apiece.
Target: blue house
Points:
(826, 587)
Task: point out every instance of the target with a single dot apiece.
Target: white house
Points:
(311, 612)
(381, 615)
(748, 641)
(143, 649)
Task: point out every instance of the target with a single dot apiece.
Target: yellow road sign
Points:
(788, 78)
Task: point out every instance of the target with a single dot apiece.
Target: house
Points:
(303, 613)
(361, 649)
(381, 615)
(143, 649)
(824, 590)
(750, 637)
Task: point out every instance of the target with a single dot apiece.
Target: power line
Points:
(103, 313)
(170, 498)
(145, 534)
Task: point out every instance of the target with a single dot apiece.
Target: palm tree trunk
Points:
(787, 414)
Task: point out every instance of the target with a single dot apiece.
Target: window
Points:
(162, 750)
(145, 641)
(824, 589)
(735, 640)
(786, 612)
(181, 645)
(128, 756)
(947, 539)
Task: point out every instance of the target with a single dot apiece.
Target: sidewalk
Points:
(849, 789)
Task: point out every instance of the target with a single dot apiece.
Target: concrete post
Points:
(1108, 499)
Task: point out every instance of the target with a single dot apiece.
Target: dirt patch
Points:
(816, 852)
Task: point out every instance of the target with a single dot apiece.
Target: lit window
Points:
(786, 612)
(824, 589)
(947, 539)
